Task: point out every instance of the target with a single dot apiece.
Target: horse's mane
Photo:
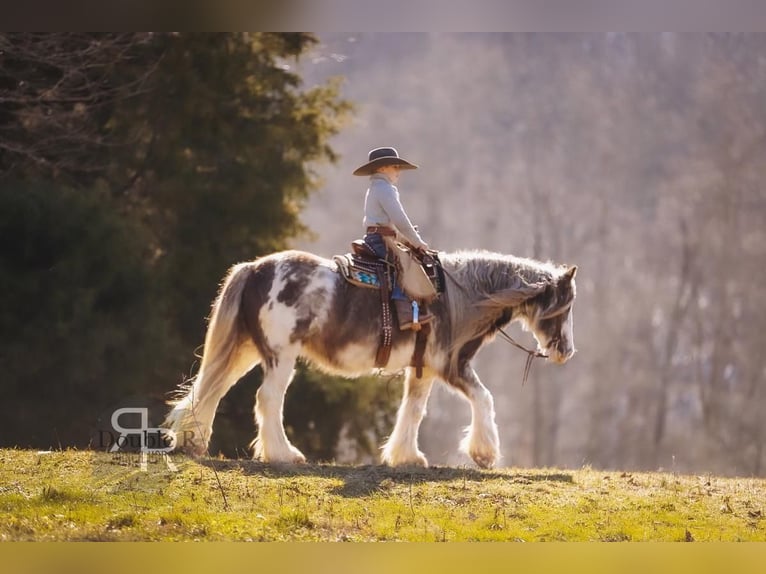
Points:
(481, 285)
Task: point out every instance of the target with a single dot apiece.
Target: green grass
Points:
(83, 495)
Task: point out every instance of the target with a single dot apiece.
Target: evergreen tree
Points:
(196, 152)
(225, 140)
(81, 325)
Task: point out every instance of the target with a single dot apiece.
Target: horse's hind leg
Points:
(481, 442)
(192, 417)
(402, 446)
(271, 443)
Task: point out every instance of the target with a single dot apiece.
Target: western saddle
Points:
(363, 268)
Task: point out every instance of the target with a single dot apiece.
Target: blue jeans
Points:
(376, 243)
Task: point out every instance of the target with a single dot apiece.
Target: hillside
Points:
(83, 495)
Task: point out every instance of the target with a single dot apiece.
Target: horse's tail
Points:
(222, 365)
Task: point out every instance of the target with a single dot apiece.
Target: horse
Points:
(294, 304)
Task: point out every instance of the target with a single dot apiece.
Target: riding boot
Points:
(425, 314)
(404, 315)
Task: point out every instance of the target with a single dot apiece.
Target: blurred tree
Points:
(81, 324)
(187, 153)
(56, 93)
(221, 165)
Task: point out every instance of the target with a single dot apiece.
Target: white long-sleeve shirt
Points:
(382, 206)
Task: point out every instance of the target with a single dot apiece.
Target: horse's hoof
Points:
(418, 459)
(299, 459)
(191, 449)
(293, 458)
(484, 460)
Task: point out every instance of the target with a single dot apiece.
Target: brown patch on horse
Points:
(305, 314)
(254, 297)
(558, 293)
(468, 351)
(297, 275)
(354, 317)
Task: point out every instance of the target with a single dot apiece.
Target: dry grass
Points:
(82, 495)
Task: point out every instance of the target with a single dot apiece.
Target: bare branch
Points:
(54, 91)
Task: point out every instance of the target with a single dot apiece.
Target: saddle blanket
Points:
(358, 271)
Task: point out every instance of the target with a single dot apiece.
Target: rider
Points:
(386, 222)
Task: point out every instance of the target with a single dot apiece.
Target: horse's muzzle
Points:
(559, 356)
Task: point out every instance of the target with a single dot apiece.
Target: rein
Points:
(531, 354)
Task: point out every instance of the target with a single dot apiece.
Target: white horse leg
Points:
(481, 442)
(271, 443)
(402, 446)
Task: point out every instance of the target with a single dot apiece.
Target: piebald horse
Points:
(293, 304)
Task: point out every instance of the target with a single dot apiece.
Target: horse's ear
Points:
(570, 273)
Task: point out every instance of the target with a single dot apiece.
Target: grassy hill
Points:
(83, 495)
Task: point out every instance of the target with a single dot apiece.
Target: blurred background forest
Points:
(136, 168)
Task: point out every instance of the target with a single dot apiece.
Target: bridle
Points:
(531, 354)
(534, 354)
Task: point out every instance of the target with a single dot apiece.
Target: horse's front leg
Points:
(481, 441)
(402, 446)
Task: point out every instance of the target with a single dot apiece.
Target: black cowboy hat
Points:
(383, 156)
